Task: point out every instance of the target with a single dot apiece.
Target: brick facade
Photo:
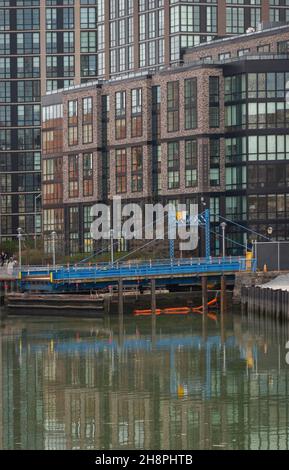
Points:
(204, 190)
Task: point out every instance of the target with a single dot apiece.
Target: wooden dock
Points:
(63, 304)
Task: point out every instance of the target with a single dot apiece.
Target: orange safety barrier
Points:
(210, 304)
(145, 313)
(212, 316)
(177, 311)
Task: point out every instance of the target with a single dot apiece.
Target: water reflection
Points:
(168, 383)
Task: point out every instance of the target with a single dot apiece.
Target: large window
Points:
(173, 106)
(120, 115)
(88, 18)
(28, 115)
(5, 91)
(28, 90)
(173, 165)
(88, 65)
(73, 176)
(28, 43)
(191, 164)
(156, 112)
(214, 105)
(87, 121)
(68, 18)
(73, 230)
(27, 18)
(88, 41)
(214, 162)
(73, 122)
(235, 20)
(4, 67)
(137, 169)
(28, 67)
(5, 43)
(4, 20)
(191, 103)
(136, 113)
(235, 88)
(87, 174)
(121, 171)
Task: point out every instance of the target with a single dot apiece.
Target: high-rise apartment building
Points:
(50, 44)
(213, 132)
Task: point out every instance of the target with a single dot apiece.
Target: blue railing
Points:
(161, 268)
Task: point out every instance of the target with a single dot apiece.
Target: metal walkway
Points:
(164, 271)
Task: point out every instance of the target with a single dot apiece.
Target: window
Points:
(68, 42)
(88, 41)
(214, 162)
(5, 139)
(5, 91)
(4, 43)
(51, 18)
(28, 67)
(173, 165)
(28, 90)
(68, 66)
(214, 105)
(51, 66)
(73, 176)
(68, 18)
(191, 164)
(121, 171)
(28, 139)
(4, 20)
(4, 67)
(28, 115)
(137, 169)
(173, 106)
(87, 221)
(72, 122)
(87, 174)
(73, 230)
(191, 103)
(136, 113)
(27, 18)
(156, 112)
(88, 18)
(88, 65)
(87, 121)
(235, 20)
(120, 115)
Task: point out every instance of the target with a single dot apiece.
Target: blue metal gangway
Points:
(136, 271)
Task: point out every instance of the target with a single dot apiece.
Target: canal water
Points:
(174, 383)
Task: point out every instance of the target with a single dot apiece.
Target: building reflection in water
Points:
(174, 384)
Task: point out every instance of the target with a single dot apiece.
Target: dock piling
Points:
(223, 295)
(120, 297)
